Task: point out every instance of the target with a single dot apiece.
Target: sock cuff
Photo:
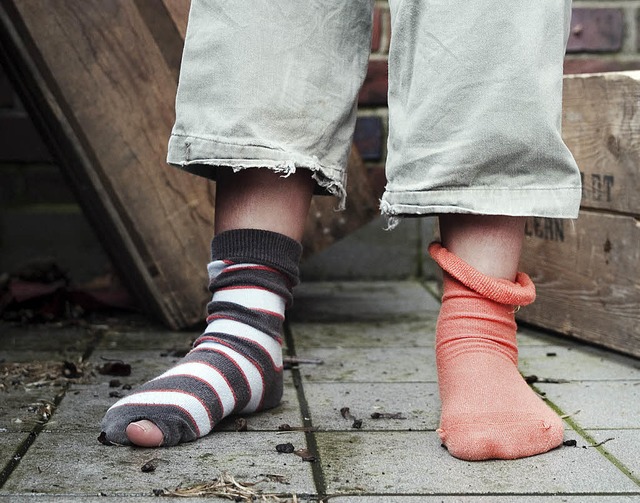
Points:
(259, 246)
(519, 293)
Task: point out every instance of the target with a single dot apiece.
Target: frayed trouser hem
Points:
(551, 202)
(202, 156)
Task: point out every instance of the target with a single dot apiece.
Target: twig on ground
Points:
(387, 415)
(533, 379)
(226, 486)
(603, 442)
(571, 415)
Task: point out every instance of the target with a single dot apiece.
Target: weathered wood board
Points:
(587, 278)
(179, 12)
(601, 128)
(587, 272)
(99, 79)
(100, 91)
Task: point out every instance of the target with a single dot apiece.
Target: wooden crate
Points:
(587, 271)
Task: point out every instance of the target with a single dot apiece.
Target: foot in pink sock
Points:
(488, 410)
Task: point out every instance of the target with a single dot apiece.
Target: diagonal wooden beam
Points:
(101, 94)
(99, 79)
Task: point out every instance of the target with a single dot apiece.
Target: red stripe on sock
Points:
(260, 371)
(257, 267)
(251, 267)
(255, 364)
(247, 287)
(223, 317)
(212, 317)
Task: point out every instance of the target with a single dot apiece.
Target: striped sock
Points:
(236, 365)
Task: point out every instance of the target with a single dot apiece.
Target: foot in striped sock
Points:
(236, 365)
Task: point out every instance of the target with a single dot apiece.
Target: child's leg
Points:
(271, 86)
(463, 139)
(262, 199)
(488, 411)
(490, 243)
(236, 365)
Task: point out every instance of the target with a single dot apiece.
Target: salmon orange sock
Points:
(488, 410)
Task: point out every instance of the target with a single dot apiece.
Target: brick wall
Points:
(605, 36)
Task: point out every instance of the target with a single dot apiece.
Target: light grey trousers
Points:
(475, 99)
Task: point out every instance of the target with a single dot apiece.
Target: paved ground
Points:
(375, 344)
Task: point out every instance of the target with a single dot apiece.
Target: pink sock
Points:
(488, 410)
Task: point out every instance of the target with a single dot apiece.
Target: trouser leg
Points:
(475, 92)
(271, 84)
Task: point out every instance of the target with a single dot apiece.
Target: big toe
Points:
(144, 433)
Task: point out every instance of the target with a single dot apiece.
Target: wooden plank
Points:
(587, 278)
(99, 79)
(179, 12)
(102, 95)
(601, 127)
(162, 27)
(587, 272)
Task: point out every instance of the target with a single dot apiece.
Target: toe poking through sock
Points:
(144, 426)
(144, 433)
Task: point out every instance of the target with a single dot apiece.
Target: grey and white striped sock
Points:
(236, 365)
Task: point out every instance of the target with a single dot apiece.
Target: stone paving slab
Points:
(602, 404)
(349, 326)
(415, 463)
(30, 498)
(418, 403)
(417, 333)
(51, 467)
(145, 364)
(40, 352)
(371, 365)
(577, 363)
(82, 498)
(32, 359)
(84, 406)
(625, 447)
(528, 336)
(378, 334)
(362, 301)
